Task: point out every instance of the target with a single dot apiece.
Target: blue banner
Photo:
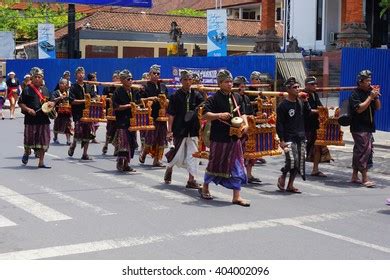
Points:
(124, 3)
(217, 32)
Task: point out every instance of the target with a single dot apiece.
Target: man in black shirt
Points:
(125, 141)
(83, 130)
(36, 122)
(364, 101)
(183, 126)
(155, 140)
(226, 162)
(290, 128)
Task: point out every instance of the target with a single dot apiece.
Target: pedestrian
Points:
(94, 92)
(36, 122)
(13, 91)
(364, 102)
(155, 140)
(63, 122)
(226, 162)
(26, 81)
(314, 153)
(3, 95)
(125, 141)
(183, 128)
(290, 127)
(83, 131)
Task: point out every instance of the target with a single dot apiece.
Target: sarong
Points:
(311, 137)
(155, 140)
(226, 165)
(181, 155)
(125, 143)
(362, 150)
(37, 136)
(63, 124)
(83, 131)
(295, 153)
(110, 131)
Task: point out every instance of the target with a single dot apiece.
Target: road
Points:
(86, 210)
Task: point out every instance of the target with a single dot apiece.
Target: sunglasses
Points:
(156, 73)
(129, 79)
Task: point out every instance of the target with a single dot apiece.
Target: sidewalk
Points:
(382, 138)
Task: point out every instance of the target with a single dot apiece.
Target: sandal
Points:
(129, 169)
(318, 174)
(357, 181)
(86, 157)
(168, 176)
(193, 185)
(203, 195)
(25, 159)
(142, 158)
(293, 190)
(242, 203)
(158, 164)
(369, 184)
(71, 151)
(44, 166)
(279, 185)
(253, 180)
(104, 150)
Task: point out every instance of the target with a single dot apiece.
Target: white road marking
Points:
(111, 244)
(50, 155)
(4, 222)
(33, 207)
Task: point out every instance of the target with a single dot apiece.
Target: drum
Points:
(65, 109)
(330, 132)
(95, 110)
(49, 109)
(141, 118)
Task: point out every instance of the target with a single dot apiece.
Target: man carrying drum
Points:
(125, 141)
(226, 161)
(155, 140)
(183, 126)
(291, 114)
(36, 122)
(83, 131)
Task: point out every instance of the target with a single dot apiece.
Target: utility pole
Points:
(71, 30)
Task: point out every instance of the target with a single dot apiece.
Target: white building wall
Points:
(302, 25)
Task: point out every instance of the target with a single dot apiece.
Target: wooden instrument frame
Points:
(136, 110)
(100, 103)
(325, 120)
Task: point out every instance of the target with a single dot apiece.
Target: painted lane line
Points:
(4, 222)
(33, 207)
(111, 244)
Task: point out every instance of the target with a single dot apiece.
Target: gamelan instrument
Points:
(330, 132)
(110, 116)
(95, 109)
(64, 108)
(49, 109)
(141, 118)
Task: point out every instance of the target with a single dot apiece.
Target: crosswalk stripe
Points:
(33, 207)
(4, 222)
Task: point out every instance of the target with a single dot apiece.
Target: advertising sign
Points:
(124, 3)
(7, 45)
(46, 41)
(208, 75)
(217, 32)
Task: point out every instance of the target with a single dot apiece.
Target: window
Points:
(249, 14)
(279, 14)
(319, 20)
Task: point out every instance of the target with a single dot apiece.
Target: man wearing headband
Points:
(108, 92)
(363, 102)
(240, 83)
(290, 128)
(83, 131)
(65, 75)
(124, 140)
(314, 153)
(13, 91)
(183, 126)
(36, 122)
(63, 122)
(155, 140)
(226, 161)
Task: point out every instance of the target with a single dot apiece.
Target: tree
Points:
(187, 12)
(25, 23)
(385, 5)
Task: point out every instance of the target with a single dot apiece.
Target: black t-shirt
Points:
(219, 103)
(312, 122)
(12, 82)
(31, 99)
(122, 97)
(365, 121)
(77, 92)
(290, 119)
(152, 89)
(179, 104)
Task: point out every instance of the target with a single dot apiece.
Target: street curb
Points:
(382, 146)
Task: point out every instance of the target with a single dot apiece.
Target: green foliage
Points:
(24, 24)
(385, 5)
(187, 12)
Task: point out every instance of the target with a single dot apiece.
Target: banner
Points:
(46, 41)
(7, 45)
(124, 3)
(207, 75)
(217, 32)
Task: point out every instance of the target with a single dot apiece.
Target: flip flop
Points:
(104, 150)
(242, 203)
(193, 185)
(355, 182)
(293, 190)
(71, 151)
(44, 166)
(158, 164)
(369, 184)
(25, 159)
(168, 176)
(203, 195)
(280, 186)
(318, 174)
